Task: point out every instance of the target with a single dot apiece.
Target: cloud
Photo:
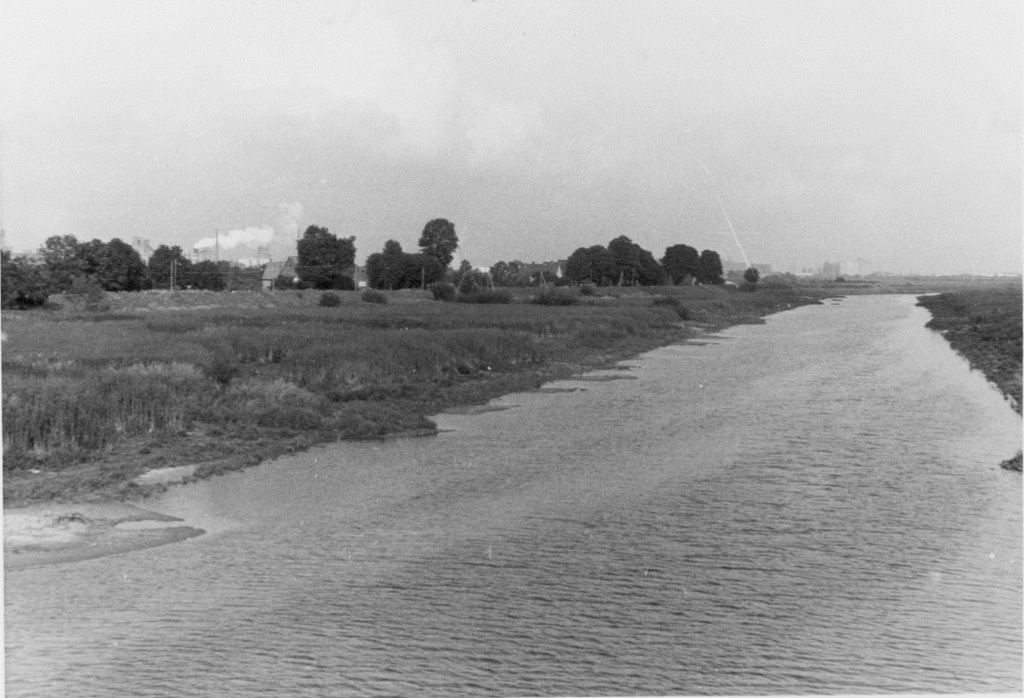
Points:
(248, 237)
(365, 64)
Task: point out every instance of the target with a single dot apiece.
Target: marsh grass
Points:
(90, 402)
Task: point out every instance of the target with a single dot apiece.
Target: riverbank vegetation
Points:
(92, 399)
(984, 325)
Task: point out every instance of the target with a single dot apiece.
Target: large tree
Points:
(61, 262)
(163, 261)
(633, 264)
(119, 266)
(709, 268)
(680, 262)
(324, 259)
(22, 285)
(439, 240)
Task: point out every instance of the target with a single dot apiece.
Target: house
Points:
(544, 272)
(275, 270)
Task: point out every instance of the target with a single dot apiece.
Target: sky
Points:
(882, 131)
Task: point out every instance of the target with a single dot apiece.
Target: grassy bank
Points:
(984, 325)
(225, 380)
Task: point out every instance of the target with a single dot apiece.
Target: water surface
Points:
(810, 505)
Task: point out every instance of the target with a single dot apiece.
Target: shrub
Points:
(329, 299)
(588, 290)
(371, 296)
(556, 296)
(222, 368)
(87, 294)
(485, 296)
(443, 292)
(673, 303)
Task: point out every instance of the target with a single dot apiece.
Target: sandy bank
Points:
(45, 534)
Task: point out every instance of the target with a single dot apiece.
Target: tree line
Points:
(326, 261)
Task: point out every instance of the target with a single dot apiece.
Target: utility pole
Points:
(174, 268)
(216, 244)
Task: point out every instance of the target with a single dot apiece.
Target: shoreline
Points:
(90, 524)
(40, 534)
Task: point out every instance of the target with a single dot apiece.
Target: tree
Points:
(751, 276)
(394, 262)
(119, 266)
(680, 262)
(578, 267)
(324, 258)
(624, 255)
(61, 262)
(709, 268)
(421, 269)
(499, 273)
(22, 285)
(439, 240)
(163, 261)
(207, 276)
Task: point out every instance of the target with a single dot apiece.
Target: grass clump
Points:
(371, 296)
(329, 299)
(443, 292)
(485, 296)
(674, 303)
(556, 296)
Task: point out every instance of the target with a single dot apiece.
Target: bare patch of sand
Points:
(47, 534)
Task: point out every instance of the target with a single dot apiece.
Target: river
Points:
(811, 505)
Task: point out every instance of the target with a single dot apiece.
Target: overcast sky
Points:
(888, 131)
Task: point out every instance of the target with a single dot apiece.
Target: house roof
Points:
(276, 269)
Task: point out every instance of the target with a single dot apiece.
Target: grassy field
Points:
(223, 380)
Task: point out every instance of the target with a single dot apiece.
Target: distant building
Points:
(831, 269)
(276, 270)
(542, 272)
(143, 247)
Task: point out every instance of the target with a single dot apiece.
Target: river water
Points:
(812, 505)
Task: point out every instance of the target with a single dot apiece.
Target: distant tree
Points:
(421, 270)
(751, 275)
(680, 262)
(118, 266)
(633, 264)
(709, 268)
(61, 262)
(602, 266)
(22, 285)
(375, 274)
(394, 263)
(439, 240)
(649, 271)
(500, 273)
(207, 276)
(162, 261)
(578, 267)
(324, 259)
(624, 255)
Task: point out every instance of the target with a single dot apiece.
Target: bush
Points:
(673, 303)
(588, 290)
(329, 299)
(443, 292)
(485, 296)
(556, 296)
(371, 296)
(87, 294)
